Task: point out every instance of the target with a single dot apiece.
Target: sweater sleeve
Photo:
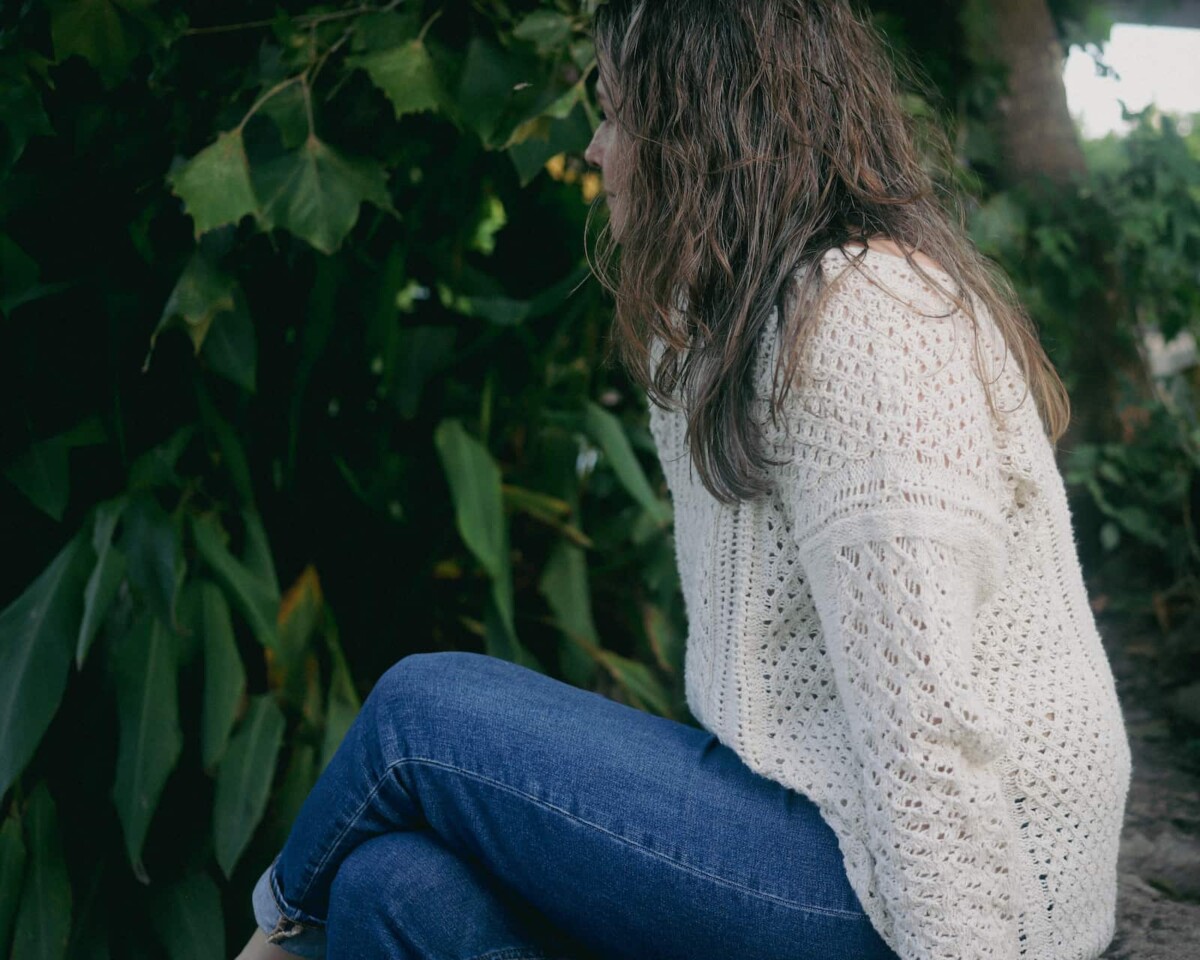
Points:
(896, 514)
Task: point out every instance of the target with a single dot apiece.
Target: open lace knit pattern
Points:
(901, 632)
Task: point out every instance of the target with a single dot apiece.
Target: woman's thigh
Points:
(635, 834)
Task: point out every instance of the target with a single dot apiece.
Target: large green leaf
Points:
(44, 917)
(215, 185)
(254, 597)
(153, 550)
(224, 675)
(405, 74)
(475, 486)
(37, 639)
(244, 780)
(188, 919)
(12, 874)
(608, 433)
(315, 192)
(564, 583)
(145, 672)
(106, 577)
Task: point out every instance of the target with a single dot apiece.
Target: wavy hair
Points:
(763, 133)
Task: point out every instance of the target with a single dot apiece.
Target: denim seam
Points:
(823, 911)
(309, 922)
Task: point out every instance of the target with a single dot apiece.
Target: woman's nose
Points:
(595, 151)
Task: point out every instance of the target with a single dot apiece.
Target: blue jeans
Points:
(480, 810)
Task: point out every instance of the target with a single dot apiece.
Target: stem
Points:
(313, 18)
(278, 88)
(428, 23)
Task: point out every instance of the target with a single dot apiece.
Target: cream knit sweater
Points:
(900, 631)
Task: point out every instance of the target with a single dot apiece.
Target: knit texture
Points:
(901, 632)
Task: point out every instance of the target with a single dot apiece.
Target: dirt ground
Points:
(1158, 907)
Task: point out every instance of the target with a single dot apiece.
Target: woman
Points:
(910, 741)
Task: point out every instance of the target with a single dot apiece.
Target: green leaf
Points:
(42, 473)
(19, 275)
(97, 31)
(548, 29)
(188, 919)
(475, 486)
(405, 74)
(255, 598)
(231, 348)
(43, 924)
(315, 193)
(639, 681)
(244, 780)
(152, 545)
(608, 433)
(569, 135)
(292, 791)
(224, 675)
(202, 292)
(215, 185)
(257, 556)
(145, 672)
(37, 638)
(342, 707)
(156, 467)
(486, 89)
(24, 117)
(106, 577)
(564, 584)
(12, 873)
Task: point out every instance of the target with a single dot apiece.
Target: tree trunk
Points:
(1042, 155)
(1038, 137)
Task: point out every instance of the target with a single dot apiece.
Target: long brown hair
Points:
(763, 133)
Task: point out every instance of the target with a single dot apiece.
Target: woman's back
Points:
(900, 630)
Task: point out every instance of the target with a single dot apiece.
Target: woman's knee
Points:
(425, 675)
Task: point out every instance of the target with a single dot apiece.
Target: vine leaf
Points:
(215, 185)
(405, 74)
(315, 193)
(100, 31)
(145, 672)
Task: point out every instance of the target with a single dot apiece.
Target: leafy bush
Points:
(297, 323)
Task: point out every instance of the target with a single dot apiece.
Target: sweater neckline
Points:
(879, 255)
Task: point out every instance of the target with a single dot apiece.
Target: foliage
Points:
(297, 321)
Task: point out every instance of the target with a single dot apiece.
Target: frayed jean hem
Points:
(296, 937)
